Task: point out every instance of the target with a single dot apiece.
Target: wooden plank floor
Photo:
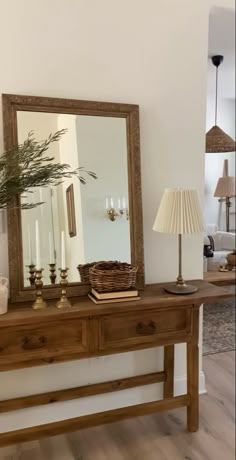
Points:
(158, 437)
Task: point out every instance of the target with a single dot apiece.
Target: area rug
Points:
(219, 327)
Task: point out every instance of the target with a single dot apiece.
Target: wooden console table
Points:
(32, 338)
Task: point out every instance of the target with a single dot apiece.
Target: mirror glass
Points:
(99, 144)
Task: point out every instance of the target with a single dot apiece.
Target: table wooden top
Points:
(153, 296)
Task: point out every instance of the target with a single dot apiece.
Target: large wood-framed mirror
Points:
(104, 138)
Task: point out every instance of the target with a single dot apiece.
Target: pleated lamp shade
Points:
(179, 212)
(217, 141)
(225, 187)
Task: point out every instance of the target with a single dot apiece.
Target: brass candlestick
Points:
(63, 302)
(52, 273)
(39, 303)
(32, 274)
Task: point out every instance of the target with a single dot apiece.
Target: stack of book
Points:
(111, 297)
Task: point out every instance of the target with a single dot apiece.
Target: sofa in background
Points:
(222, 243)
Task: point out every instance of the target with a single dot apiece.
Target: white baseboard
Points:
(180, 385)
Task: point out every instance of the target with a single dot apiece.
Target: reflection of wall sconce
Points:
(122, 209)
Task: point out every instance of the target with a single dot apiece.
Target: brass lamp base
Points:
(181, 289)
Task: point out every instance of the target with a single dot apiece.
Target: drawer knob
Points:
(28, 344)
(146, 329)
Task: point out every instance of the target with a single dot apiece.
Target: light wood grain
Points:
(169, 361)
(153, 296)
(161, 437)
(118, 331)
(81, 392)
(193, 375)
(85, 421)
(31, 338)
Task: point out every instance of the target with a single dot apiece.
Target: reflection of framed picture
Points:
(70, 202)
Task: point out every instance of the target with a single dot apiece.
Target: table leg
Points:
(193, 375)
(169, 371)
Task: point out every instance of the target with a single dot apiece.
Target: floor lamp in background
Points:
(225, 189)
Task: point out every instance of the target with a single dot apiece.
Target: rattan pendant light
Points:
(217, 140)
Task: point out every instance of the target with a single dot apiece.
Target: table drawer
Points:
(136, 328)
(29, 342)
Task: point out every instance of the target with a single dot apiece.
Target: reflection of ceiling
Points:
(222, 41)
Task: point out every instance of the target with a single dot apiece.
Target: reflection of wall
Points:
(69, 154)
(215, 211)
(85, 54)
(42, 124)
(102, 148)
(53, 220)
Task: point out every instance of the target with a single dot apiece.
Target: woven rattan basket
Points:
(112, 276)
(84, 271)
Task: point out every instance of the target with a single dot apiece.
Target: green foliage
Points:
(28, 165)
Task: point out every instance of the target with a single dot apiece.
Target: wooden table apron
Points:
(32, 338)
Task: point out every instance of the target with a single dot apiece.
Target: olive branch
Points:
(26, 166)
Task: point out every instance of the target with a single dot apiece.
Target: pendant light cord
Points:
(216, 104)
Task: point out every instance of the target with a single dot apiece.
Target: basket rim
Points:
(111, 271)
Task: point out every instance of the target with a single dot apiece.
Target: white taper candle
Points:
(63, 254)
(51, 251)
(38, 259)
(40, 195)
(30, 247)
(41, 207)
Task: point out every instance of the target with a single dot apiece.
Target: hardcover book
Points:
(114, 295)
(119, 299)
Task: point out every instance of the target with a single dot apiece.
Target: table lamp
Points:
(179, 213)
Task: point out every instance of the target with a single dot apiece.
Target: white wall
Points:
(214, 162)
(102, 148)
(69, 155)
(151, 53)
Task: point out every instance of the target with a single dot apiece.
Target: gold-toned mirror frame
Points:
(12, 104)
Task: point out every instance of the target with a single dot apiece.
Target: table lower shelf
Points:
(95, 389)
(86, 421)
